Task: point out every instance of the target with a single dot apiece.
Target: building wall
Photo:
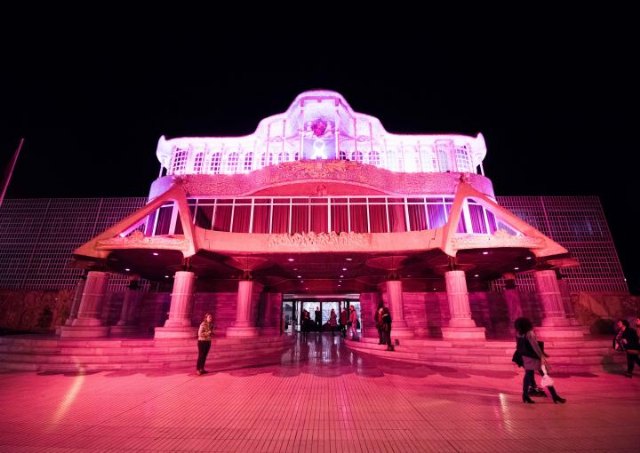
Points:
(37, 237)
(578, 224)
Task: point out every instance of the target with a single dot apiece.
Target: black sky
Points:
(558, 115)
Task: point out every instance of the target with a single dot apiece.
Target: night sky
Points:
(558, 118)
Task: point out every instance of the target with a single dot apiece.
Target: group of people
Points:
(534, 359)
(347, 322)
(383, 325)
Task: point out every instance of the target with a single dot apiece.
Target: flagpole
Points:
(12, 166)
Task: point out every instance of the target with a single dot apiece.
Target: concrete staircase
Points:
(588, 355)
(54, 354)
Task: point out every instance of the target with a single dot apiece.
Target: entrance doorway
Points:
(293, 306)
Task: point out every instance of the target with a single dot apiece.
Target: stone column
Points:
(271, 314)
(512, 299)
(131, 299)
(88, 323)
(555, 323)
(245, 325)
(399, 328)
(77, 298)
(461, 325)
(179, 323)
(566, 299)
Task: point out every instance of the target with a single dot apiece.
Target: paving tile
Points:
(313, 403)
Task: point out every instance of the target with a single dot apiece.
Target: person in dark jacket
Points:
(626, 340)
(533, 358)
(386, 328)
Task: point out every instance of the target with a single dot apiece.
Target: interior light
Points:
(291, 260)
(155, 254)
(485, 253)
(516, 268)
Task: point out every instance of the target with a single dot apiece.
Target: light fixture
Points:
(516, 268)
(485, 253)
(291, 260)
(477, 275)
(349, 259)
(127, 269)
(155, 254)
(344, 268)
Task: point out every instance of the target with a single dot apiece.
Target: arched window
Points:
(214, 167)
(179, 161)
(374, 158)
(296, 156)
(357, 156)
(343, 155)
(463, 162)
(232, 162)
(248, 161)
(197, 163)
(443, 161)
(283, 157)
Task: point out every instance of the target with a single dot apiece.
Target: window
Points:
(215, 163)
(463, 162)
(232, 162)
(357, 156)
(179, 161)
(374, 158)
(248, 161)
(197, 163)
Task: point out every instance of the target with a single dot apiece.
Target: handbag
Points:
(546, 381)
(517, 359)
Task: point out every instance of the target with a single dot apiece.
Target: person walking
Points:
(344, 320)
(533, 358)
(353, 322)
(204, 342)
(378, 320)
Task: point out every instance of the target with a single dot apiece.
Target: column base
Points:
(242, 332)
(560, 332)
(122, 331)
(463, 333)
(270, 332)
(176, 332)
(84, 331)
(401, 332)
(556, 321)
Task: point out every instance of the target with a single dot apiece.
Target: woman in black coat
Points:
(533, 358)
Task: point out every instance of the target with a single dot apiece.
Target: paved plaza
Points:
(320, 398)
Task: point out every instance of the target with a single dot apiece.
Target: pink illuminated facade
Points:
(321, 206)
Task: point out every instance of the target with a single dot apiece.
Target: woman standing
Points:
(333, 322)
(204, 342)
(533, 358)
